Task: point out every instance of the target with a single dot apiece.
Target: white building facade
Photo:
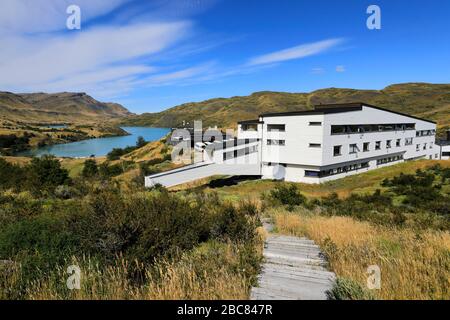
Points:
(334, 141)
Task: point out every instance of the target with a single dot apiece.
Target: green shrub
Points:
(348, 289)
(90, 168)
(287, 194)
(45, 174)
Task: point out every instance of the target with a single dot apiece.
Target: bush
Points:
(140, 142)
(90, 169)
(11, 176)
(45, 174)
(348, 289)
(287, 194)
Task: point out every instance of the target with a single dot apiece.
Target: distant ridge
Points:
(424, 100)
(57, 107)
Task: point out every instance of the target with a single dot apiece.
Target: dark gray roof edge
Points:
(338, 108)
(250, 121)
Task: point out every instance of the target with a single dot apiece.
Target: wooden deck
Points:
(294, 269)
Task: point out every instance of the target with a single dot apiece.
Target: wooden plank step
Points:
(295, 253)
(294, 277)
(301, 292)
(305, 269)
(292, 260)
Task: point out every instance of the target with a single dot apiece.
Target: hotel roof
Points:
(337, 108)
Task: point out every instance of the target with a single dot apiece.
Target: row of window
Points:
(424, 147)
(249, 127)
(239, 153)
(354, 148)
(389, 159)
(282, 127)
(334, 171)
(272, 142)
(425, 133)
(366, 128)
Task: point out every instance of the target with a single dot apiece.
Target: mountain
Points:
(58, 107)
(431, 101)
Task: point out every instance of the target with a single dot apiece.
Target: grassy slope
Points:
(431, 101)
(414, 264)
(360, 183)
(56, 108)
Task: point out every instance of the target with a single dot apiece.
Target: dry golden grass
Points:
(414, 265)
(360, 183)
(196, 276)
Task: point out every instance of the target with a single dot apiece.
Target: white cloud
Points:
(34, 16)
(99, 54)
(188, 73)
(317, 70)
(297, 52)
(340, 69)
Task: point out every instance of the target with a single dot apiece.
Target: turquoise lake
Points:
(100, 146)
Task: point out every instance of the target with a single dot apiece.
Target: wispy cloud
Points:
(317, 70)
(340, 69)
(62, 60)
(141, 44)
(31, 16)
(297, 52)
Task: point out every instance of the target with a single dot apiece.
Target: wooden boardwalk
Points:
(294, 269)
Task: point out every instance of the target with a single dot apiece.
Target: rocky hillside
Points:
(431, 101)
(58, 107)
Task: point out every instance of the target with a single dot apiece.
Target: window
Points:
(313, 123)
(366, 146)
(446, 154)
(276, 142)
(337, 129)
(276, 127)
(417, 147)
(397, 143)
(354, 148)
(408, 141)
(378, 145)
(339, 170)
(436, 156)
(431, 145)
(249, 127)
(389, 159)
(367, 128)
(424, 133)
(337, 151)
(424, 146)
(388, 144)
(315, 145)
(309, 173)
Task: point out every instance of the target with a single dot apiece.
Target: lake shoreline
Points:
(97, 147)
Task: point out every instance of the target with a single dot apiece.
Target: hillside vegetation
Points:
(129, 243)
(56, 108)
(24, 119)
(431, 101)
(403, 228)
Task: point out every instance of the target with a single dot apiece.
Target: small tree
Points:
(287, 194)
(46, 173)
(90, 168)
(140, 142)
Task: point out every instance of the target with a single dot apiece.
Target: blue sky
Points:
(151, 55)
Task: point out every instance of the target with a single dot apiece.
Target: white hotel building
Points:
(327, 143)
(333, 141)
